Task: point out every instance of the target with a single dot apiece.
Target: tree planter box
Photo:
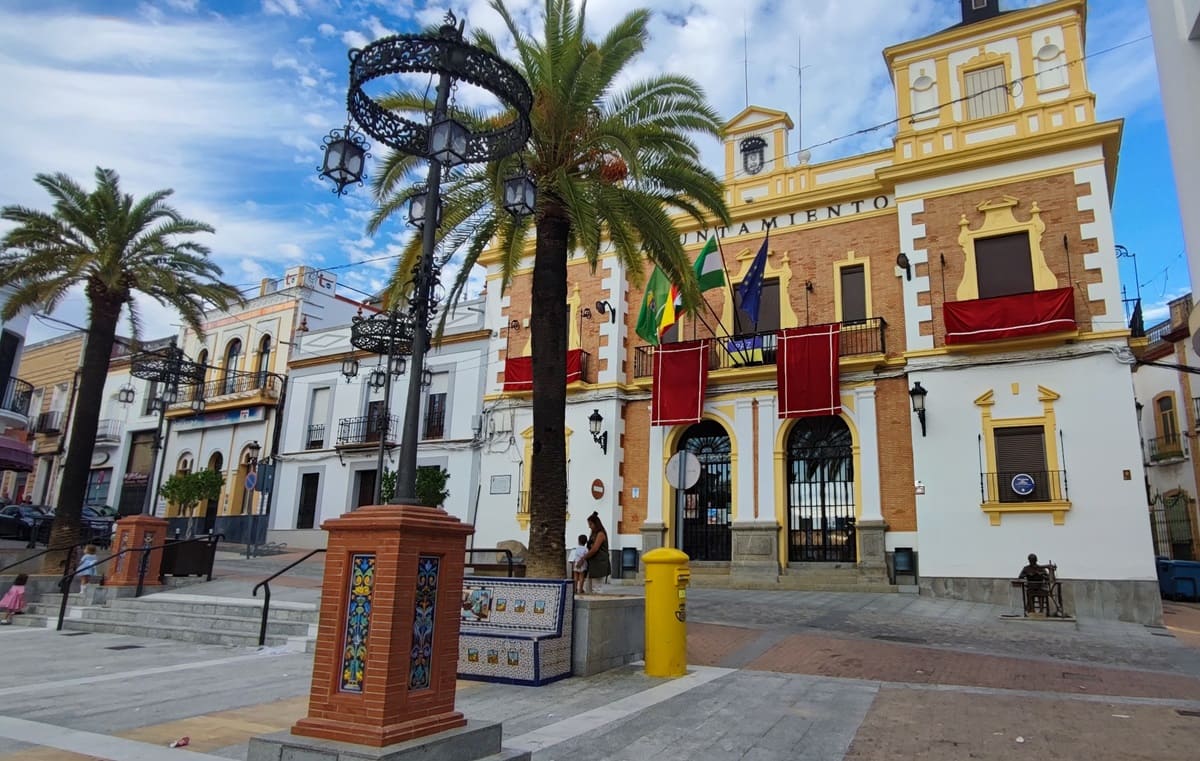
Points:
(609, 631)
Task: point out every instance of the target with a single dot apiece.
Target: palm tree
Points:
(114, 246)
(612, 164)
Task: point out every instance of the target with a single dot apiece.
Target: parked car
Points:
(97, 526)
(21, 521)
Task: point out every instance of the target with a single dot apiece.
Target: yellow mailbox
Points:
(667, 578)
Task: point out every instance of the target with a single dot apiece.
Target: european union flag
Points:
(750, 289)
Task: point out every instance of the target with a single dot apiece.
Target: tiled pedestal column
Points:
(387, 646)
(135, 531)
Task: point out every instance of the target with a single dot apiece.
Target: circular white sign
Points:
(1023, 484)
(683, 470)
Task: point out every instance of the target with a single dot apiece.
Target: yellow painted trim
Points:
(573, 318)
(981, 32)
(1159, 431)
(1049, 425)
(850, 261)
(526, 473)
(1016, 389)
(1065, 169)
(1000, 220)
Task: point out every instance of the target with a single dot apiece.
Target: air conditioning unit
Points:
(504, 421)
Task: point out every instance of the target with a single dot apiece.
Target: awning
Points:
(15, 455)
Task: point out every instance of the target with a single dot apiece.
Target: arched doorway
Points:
(820, 475)
(705, 512)
(215, 463)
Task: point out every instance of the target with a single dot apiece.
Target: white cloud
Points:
(282, 8)
(355, 39)
(186, 6)
(327, 30)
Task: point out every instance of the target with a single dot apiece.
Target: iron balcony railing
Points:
(1168, 447)
(16, 396)
(316, 437)
(109, 430)
(49, 422)
(357, 431)
(235, 383)
(855, 338)
(1158, 333)
(1024, 486)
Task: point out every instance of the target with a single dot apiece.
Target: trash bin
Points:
(615, 564)
(1166, 581)
(1186, 577)
(904, 563)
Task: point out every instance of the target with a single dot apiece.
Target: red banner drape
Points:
(806, 371)
(518, 374)
(680, 375)
(1022, 314)
(574, 365)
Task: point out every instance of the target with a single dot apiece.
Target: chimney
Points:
(979, 10)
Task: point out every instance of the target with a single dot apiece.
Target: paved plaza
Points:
(773, 675)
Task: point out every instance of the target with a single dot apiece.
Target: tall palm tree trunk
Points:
(89, 400)
(548, 326)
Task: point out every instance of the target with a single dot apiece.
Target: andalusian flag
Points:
(654, 303)
(710, 269)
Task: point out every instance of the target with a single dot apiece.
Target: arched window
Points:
(1168, 428)
(264, 360)
(233, 354)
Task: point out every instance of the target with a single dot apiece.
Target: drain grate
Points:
(1183, 712)
(123, 647)
(74, 634)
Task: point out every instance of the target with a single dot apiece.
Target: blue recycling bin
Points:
(1166, 580)
(1185, 575)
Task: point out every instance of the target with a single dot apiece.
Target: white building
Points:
(246, 351)
(326, 463)
(16, 457)
(1176, 28)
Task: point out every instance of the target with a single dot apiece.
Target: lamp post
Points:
(917, 394)
(389, 334)
(171, 368)
(443, 142)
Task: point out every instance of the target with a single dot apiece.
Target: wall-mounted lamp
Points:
(917, 394)
(903, 263)
(350, 368)
(603, 307)
(426, 378)
(125, 395)
(198, 405)
(252, 449)
(594, 422)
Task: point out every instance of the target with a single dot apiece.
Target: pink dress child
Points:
(13, 600)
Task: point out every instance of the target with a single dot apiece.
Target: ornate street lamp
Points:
(595, 420)
(520, 194)
(170, 368)
(917, 394)
(125, 395)
(443, 142)
(350, 368)
(346, 152)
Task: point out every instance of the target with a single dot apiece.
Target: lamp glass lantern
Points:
(448, 142)
(594, 422)
(426, 378)
(399, 365)
(253, 448)
(378, 378)
(520, 195)
(349, 368)
(198, 405)
(917, 394)
(125, 395)
(344, 159)
(170, 395)
(418, 210)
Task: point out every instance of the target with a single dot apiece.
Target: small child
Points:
(578, 564)
(14, 599)
(87, 566)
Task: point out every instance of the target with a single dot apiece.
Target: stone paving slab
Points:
(942, 726)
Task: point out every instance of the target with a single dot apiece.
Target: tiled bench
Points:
(515, 631)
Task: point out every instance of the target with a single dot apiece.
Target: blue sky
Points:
(226, 101)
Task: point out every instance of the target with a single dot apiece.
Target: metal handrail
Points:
(507, 553)
(143, 566)
(46, 551)
(265, 585)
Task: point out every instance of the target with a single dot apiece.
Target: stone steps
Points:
(187, 618)
(793, 584)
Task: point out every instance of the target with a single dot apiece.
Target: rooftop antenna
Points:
(746, 59)
(803, 155)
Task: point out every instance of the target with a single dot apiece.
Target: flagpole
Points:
(732, 301)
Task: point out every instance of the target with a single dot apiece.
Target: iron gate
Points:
(707, 505)
(1171, 527)
(821, 492)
